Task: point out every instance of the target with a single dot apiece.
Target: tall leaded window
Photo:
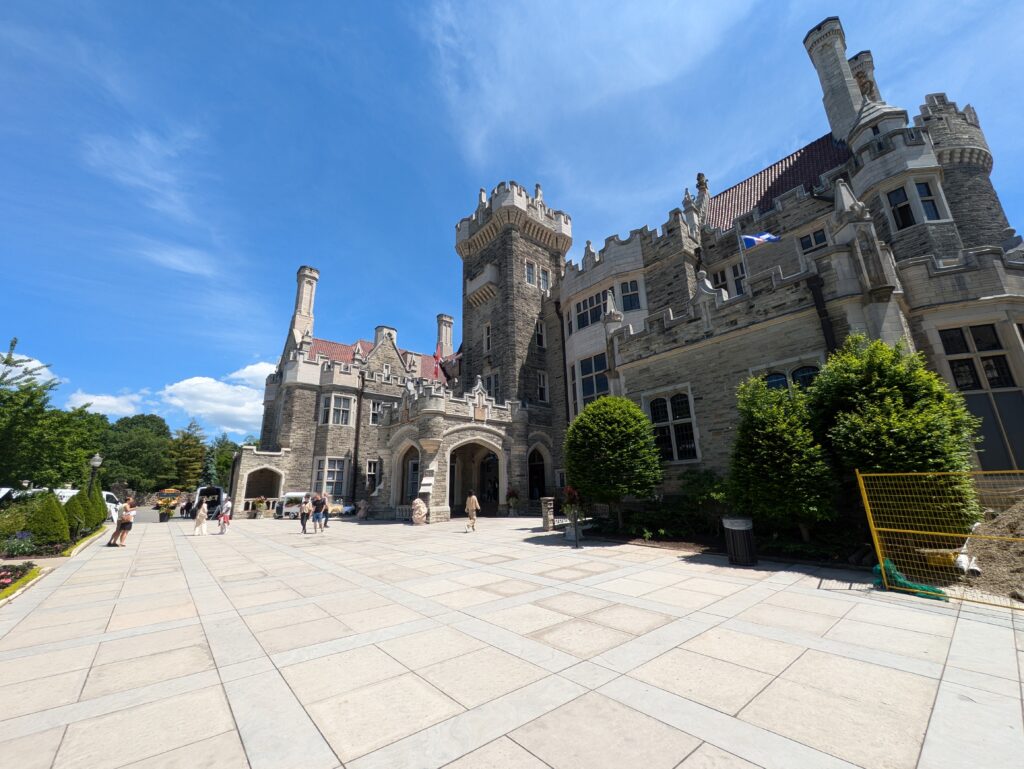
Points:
(531, 273)
(630, 295)
(330, 477)
(804, 375)
(590, 310)
(491, 384)
(372, 475)
(545, 279)
(593, 379)
(539, 334)
(975, 367)
(335, 409)
(674, 435)
(542, 387)
(487, 337)
(739, 277)
(575, 397)
(376, 409)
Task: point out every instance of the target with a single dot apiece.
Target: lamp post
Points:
(94, 465)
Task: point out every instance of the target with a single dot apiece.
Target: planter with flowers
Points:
(14, 576)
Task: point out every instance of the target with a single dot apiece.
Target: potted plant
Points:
(512, 498)
(572, 507)
(166, 507)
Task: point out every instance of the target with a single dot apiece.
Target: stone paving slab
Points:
(401, 647)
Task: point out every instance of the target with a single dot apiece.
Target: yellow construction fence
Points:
(949, 535)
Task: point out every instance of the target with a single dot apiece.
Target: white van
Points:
(108, 499)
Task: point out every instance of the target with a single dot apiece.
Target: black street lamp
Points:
(94, 464)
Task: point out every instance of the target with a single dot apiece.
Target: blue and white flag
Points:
(749, 241)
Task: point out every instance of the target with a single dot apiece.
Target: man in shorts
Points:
(319, 512)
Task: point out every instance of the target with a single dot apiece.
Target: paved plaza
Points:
(385, 646)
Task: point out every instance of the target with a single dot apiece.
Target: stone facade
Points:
(886, 226)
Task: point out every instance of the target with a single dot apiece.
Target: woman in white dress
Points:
(200, 527)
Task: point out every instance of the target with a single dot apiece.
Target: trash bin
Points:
(739, 541)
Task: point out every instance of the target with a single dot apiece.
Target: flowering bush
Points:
(20, 544)
(12, 573)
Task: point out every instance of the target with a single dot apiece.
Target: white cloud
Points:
(509, 71)
(233, 408)
(253, 375)
(124, 405)
(147, 162)
(192, 261)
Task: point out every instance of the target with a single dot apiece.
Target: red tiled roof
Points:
(342, 353)
(802, 168)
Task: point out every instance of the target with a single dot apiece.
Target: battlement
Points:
(956, 134)
(510, 204)
(424, 399)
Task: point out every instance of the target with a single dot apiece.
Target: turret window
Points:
(542, 387)
(335, 410)
(539, 334)
(593, 379)
(902, 215)
(545, 280)
(531, 273)
(630, 296)
(590, 310)
(928, 204)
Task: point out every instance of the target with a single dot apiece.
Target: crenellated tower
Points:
(513, 250)
(962, 152)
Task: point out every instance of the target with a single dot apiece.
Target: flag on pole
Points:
(437, 362)
(749, 241)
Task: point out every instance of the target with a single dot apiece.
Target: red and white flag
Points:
(437, 362)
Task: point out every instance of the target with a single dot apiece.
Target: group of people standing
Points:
(315, 508)
(222, 513)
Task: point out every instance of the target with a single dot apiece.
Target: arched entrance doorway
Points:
(264, 482)
(409, 476)
(478, 467)
(537, 475)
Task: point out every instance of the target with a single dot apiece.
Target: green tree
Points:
(137, 452)
(45, 518)
(188, 451)
(78, 516)
(876, 408)
(779, 473)
(95, 504)
(610, 452)
(223, 457)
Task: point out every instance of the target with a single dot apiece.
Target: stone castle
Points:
(886, 226)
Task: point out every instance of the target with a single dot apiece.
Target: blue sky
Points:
(166, 167)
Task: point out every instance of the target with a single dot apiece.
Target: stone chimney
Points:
(444, 334)
(826, 45)
(381, 332)
(305, 292)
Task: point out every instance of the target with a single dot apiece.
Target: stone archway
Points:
(406, 476)
(263, 482)
(478, 465)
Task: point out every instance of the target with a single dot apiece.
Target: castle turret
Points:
(444, 334)
(305, 292)
(959, 143)
(826, 45)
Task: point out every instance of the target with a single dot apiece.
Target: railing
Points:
(403, 512)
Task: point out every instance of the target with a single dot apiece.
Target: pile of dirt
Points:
(1001, 561)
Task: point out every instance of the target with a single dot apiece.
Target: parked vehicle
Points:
(214, 497)
(291, 502)
(108, 499)
(164, 494)
(339, 508)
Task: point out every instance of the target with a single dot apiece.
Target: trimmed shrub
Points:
(779, 473)
(77, 516)
(45, 518)
(12, 520)
(98, 508)
(610, 452)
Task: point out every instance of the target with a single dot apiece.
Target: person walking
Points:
(200, 526)
(304, 512)
(319, 512)
(225, 515)
(472, 508)
(125, 518)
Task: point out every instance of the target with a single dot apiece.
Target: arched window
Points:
(776, 380)
(673, 432)
(804, 375)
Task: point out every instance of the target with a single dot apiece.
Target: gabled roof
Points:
(342, 353)
(802, 168)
